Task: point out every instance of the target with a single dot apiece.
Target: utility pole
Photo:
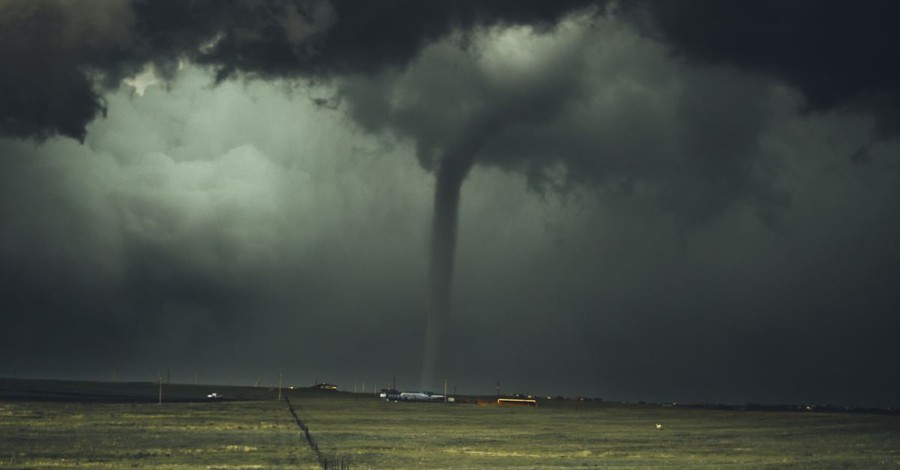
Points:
(445, 390)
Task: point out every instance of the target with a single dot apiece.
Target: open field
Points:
(257, 431)
(570, 434)
(177, 435)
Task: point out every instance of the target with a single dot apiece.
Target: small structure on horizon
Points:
(516, 402)
(325, 386)
(420, 396)
(396, 395)
(390, 394)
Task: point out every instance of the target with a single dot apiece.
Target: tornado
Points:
(449, 177)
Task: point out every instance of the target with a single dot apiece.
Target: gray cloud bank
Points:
(66, 55)
(655, 208)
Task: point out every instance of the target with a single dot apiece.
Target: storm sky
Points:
(690, 200)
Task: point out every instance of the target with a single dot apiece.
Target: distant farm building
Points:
(420, 396)
(325, 386)
(395, 395)
(517, 402)
(390, 394)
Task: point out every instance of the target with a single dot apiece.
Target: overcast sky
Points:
(692, 200)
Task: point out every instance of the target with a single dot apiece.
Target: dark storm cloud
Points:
(328, 38)
(596, 105)
(590, 104)
(614, 190)
(174, 242)
(48, 50)
(835, 52)
(288, 39)
(96, 268)
(61, 57)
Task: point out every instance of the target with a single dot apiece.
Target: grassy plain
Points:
(373, 434)
(223, 435)
(71, 425)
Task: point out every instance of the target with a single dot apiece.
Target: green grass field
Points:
(411, 435)
(108, 429)
(178, 435)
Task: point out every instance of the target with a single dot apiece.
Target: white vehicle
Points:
(214, 396)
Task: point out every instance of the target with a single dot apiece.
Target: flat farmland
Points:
(374, 434)
(172, 435)
(84, 425)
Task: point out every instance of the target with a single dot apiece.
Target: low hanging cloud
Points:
(189, 221)
(50, 53)
(60, 90)
(591, 104)
(66, 56)
(831, 51)
(131, 251)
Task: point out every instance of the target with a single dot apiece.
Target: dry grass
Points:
(178, 435)
(374, 434)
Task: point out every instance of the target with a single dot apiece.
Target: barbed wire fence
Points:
(327, 463)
